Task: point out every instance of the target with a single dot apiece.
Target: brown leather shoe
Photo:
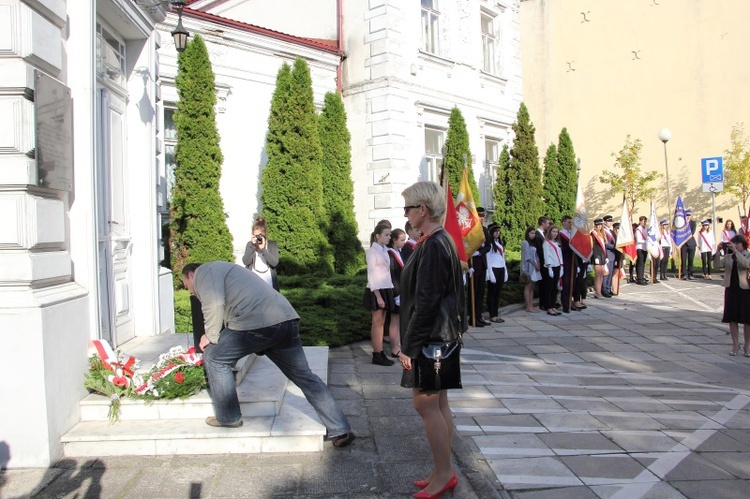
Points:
(212, 421)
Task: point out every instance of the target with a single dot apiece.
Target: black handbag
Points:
(438, 366)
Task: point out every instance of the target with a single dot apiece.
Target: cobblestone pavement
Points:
(636, 396)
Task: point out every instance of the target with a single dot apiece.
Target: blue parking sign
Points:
(712, 169)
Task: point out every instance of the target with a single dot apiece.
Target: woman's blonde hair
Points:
(429, 194)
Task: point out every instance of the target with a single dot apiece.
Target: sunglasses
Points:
(407, 208)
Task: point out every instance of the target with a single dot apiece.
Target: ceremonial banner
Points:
(653, 241)
(472, 232)
(625, 237)
(681, 232)
(580, 239)
(451, 223)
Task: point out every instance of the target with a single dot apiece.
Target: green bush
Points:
(182, 319)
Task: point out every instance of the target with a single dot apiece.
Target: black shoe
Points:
(484, 322)
(478, 324)
(642, 283)
(380, 359)
(340, 441)
(607, 295)
(690, 278)
(575, 308)
(566, 310)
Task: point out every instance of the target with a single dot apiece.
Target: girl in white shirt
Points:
(553, 263)
(379, 293)
(707, 247)
(497, 273)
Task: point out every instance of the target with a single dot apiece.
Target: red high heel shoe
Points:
(422, 484)
(451, 485)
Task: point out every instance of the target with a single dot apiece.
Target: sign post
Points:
(712, 175)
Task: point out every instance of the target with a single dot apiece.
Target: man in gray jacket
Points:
(244, 315)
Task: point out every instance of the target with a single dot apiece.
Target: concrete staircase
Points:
(276, 417)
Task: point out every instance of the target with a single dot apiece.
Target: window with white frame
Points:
(491, 163)
(430, 27)
(110, 56)
(170, 142)
(433, 153)
(489, 43)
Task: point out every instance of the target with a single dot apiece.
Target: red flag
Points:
(468, 219)
(580, 241)
(451, 223)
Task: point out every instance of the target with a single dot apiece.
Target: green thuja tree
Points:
(458, 154)
(550, 181)
(198, 226)
(523, 203)
(338, 190)
(291, 182)
(568, 165)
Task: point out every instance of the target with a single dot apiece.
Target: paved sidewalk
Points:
(633, 397)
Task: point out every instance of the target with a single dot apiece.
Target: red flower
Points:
(199, 363)
(179, 377)
(191, 350)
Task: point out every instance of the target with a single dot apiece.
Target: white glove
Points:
(397, 300)
(551, 273)
(562, 270)
(471, 271)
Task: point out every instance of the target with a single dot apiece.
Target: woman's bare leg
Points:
(439, 434)
(376, 331)
(394, 333)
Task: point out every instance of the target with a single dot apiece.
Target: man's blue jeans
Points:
(281, 343)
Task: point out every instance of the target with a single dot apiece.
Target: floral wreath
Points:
(179, 373)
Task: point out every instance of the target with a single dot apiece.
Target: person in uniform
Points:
(666, 248)
(413, 236)
(641, 247)
(567, 255)
(707, 247)
(479, 264)
(609, 245)
(687, 253)
(599, 256)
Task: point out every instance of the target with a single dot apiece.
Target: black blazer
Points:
(434, 311)
(271, 256)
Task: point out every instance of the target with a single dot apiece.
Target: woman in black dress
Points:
(737, 292)
(433, 318)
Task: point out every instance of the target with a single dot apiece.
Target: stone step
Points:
(272, 423)
(241, 368)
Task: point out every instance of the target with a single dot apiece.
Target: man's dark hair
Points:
(565, 218)
(189, 267)
(407, 227)
(543, 220)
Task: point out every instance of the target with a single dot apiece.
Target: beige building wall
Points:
(608, 68)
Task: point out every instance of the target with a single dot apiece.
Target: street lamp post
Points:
(180, 34)
(664, 136)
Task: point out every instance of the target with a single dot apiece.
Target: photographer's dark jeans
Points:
(281, 344)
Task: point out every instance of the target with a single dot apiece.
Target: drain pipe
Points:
(340, 44)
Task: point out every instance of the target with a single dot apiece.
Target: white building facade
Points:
(87, 141)
(79, 253)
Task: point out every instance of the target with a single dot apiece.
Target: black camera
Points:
(259, 239)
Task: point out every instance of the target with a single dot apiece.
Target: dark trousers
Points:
(687, 256)
(199, 327)
(664, 262)
(706, 258)
(567, 285)
(493, 291)
(479, 280)
(544, 290)
(640, 265)
(580, 284)
(607, 280)
(552, 287)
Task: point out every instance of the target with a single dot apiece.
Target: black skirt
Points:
(423, 375)
(736, 300)
(370, 301)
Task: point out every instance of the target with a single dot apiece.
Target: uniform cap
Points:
(598, 221)
(607, 218)
(663, 222)
(688, 212)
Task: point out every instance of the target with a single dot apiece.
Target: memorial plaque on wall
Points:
(53, 111)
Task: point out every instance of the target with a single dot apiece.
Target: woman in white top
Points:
(707, 247)
(553, 264)
(379, 293)
(529, 268)
(497, 273)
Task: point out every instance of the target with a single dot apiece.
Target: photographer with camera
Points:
(262, 255)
